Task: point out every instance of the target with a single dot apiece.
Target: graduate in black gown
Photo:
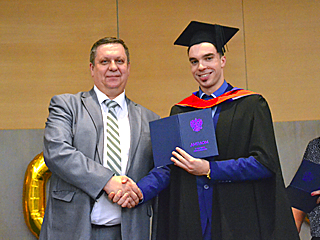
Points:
(240, 193)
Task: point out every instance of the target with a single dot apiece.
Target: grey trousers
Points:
(106, 232)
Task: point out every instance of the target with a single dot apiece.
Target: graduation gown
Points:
(253, 210)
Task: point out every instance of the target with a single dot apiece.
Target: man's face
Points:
(111, 69)
(207, 66)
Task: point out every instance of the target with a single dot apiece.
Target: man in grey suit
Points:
(76, 152)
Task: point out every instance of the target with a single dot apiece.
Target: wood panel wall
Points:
(45, 51)
(283, 47)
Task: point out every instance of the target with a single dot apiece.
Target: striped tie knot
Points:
(111, 105)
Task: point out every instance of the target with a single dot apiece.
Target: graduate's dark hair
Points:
(221, 53)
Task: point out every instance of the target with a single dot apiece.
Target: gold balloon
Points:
(34, 193)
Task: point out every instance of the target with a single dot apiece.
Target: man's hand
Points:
(195, 166)
(123, 191)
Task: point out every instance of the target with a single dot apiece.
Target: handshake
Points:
(123, 191)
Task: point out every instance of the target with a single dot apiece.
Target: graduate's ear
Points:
(223, 61)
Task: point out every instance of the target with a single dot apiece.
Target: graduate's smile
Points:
(204, 76)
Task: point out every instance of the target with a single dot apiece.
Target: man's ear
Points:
(223, 61)
(91, 66)
(129, 68)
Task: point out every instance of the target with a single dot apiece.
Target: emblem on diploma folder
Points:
(305, 181)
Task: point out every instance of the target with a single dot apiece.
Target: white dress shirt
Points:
(104, 211)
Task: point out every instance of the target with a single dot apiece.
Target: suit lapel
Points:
(135, 129)
(91, 104)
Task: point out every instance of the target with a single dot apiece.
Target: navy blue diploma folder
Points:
(306, 180)
(191, 131)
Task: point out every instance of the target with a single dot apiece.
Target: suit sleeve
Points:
(65, 159)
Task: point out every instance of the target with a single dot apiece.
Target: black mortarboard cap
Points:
(198, 32)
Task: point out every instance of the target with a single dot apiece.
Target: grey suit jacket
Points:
(73, 152)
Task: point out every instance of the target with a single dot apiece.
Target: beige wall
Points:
(282, 42)
(45, 50)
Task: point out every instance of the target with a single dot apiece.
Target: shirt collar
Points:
(218, 92)
(121, 100)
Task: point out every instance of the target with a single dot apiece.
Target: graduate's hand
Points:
(195, 166)
(316, 193)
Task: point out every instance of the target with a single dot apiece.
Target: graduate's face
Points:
(207, 66)
(111, 69)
